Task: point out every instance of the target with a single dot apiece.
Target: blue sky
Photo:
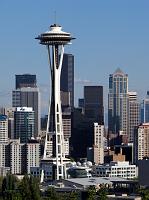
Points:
(110, 34)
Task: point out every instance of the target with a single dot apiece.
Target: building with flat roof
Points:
(116, 169)
(141, 142)
(24, 124)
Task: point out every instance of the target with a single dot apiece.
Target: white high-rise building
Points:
(99, 141)
(117, 102)
(32, 154)
(141, 142)
(16, 157)
(2, 155)
(133, 114)
(3, 129)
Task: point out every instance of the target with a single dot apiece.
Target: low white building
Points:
(116, 169)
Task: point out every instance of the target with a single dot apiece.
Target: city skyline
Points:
(109, 35)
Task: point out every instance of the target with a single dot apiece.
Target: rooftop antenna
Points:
(55, 16)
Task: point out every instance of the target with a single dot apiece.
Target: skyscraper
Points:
(145, 109)
(25, 80)
(27, 97)
(141, 142)
(93, 103)
(133, 114)
(67, 78)
(3, 129)
(117, 102)
(24, 124)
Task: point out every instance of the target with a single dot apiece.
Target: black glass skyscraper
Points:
(25, 80)
(67, 78)
(93, 103)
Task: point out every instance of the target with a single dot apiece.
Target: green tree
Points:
(144, 194)
(9, 188)
(91, 193)
(34, 187)
(102, 193)
(29, 188)
(52, 194)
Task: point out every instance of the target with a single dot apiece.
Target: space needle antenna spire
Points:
(55, 39)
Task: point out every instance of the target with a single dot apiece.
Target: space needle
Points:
(55, 39)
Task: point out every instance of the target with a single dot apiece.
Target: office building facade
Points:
(24, 124)
(67, 79)
(133, 114)
(116, 169)
(25, 80)
(141, 142)
(145, 109)
(117, 102)
(93, 103)
(28, 97)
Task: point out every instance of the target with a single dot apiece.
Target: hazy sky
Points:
(110, 34)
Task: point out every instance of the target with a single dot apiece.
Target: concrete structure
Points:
(3, 129)
(116, 169)
(24, 124)
(49, 148)
(28, 97)
(16, 157)
(9, 112)
(141, 142)
(133, 114)
(32, 155)
(99, 143)
(117, 103)
(19, 157)
(66, 119)
(57, 39)
(2, 154)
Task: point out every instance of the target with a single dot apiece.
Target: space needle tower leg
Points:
(58, 138)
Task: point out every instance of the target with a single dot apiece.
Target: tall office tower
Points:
(99, 141)
(117, 102)
(3, 129)
(145, 109)
(95, 153)
(133, 114)
(93, 103)
(28, 97)
(141, 142)
(55, 39)
(26, 80)
(67, 77)
(23, 124)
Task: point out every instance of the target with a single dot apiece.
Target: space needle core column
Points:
(55, 39)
